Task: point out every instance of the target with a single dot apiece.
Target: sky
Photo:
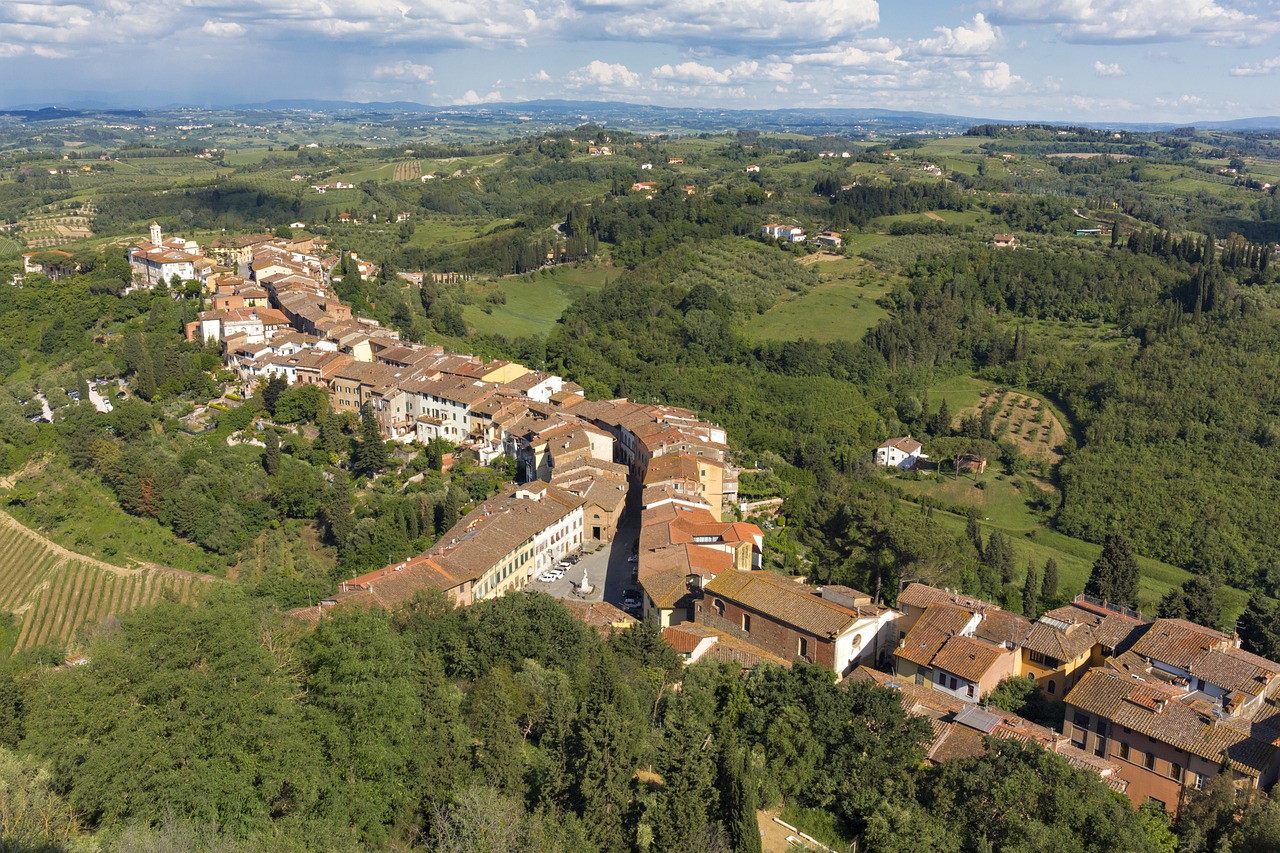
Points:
(1062, 60)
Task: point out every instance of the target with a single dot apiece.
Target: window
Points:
(1044, 660)
(719, 606)
(1175, 772)
(1201, 781)
(1053, 688)
(804, 647)
(1123, 751)
(970, 691)
(746, 622)
(1082, 720)
(1149, 761)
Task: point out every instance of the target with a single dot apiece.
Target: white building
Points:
(901, 453)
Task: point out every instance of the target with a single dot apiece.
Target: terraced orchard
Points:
(52, 592)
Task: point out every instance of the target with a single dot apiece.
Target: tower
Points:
(155, 233)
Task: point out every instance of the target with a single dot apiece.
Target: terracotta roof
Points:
(727, 648)
(665, 588)
(1003, 626)
(399, 582)
(922, 595)
(499, 526)
(938, 623)
(786, 601)
(967, 657)
(1154, 710)
(601, 615)
(1111, 629)
(1178, 642)
(906, 444)
(1059, 644)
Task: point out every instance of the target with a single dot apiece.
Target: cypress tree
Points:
(371, 452)
(271, 454)
(1049, 586)
(1030, 591)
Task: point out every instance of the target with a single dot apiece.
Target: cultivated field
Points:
(409, 170)
(1025, 421)
(52, 592)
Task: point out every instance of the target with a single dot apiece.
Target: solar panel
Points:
(976, 718)
(1057, 624)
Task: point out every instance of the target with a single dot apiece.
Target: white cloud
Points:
(751, 71)
(404, 71)
(540, 76)
(974, 39)
(1105, 69)
(775, 22)
(998, 77)
(471, 98)
(879, 55)
(222, 29)
(604, 75)
(1101, 21)
(692, 72)
(1258, 69)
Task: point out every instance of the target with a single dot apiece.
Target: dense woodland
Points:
(509, 725)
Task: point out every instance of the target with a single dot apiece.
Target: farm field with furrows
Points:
(52, 592)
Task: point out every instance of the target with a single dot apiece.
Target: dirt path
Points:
(935, 217)
(9, 521)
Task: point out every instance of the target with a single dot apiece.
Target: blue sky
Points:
(1098, 60)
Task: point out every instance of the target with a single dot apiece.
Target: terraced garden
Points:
(52, 592)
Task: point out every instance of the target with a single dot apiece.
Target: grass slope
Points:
(535, 303)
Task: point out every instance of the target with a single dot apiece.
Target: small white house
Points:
(901, 453)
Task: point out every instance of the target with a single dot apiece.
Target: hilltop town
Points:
(1155, 708)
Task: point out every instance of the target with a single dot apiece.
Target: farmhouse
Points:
(790, 233)
(902, 453)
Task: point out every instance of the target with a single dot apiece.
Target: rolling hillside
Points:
(52, 592)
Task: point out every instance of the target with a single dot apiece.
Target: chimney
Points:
(1160, 703)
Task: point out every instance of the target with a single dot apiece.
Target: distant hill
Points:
(818, 121)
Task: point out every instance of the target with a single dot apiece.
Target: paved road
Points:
(606, 567)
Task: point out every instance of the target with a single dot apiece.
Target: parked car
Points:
(572, 559)
(634, 558)
(551, 575)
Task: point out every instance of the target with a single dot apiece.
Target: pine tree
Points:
(1115, 573)
(271, 391)
(1049, 586)
(1260, 628)
(1030, 591)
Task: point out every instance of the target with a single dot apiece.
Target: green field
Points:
(834, 310)
(534, 306)
(1003, 508)
(960, 392)
(432, 231)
